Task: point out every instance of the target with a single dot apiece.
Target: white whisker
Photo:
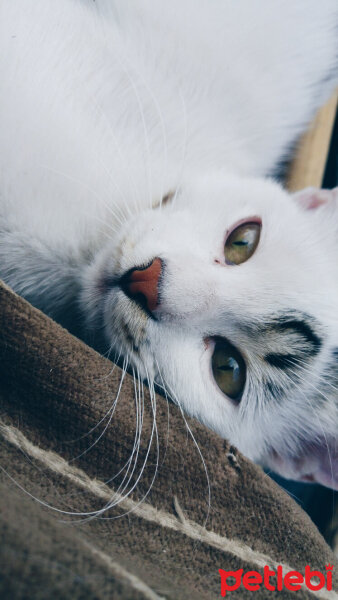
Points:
(175, 399)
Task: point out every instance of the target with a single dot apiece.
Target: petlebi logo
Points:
(290, 580)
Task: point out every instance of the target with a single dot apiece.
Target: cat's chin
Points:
(318, 463)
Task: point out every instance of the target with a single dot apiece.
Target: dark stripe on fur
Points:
(276, 392)
(335, 355)
(302, 329)
(282, 361)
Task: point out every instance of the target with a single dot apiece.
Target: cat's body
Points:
(108, 107)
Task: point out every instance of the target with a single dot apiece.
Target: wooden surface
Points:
(307, 169)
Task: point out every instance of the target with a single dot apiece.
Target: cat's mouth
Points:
(318, 463)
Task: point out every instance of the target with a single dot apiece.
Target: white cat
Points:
(136, 141)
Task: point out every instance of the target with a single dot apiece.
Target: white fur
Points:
(106, 107)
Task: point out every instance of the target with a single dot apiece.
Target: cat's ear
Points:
(311, 198)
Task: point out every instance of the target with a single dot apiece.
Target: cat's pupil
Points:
(229, 369)
(231, 365)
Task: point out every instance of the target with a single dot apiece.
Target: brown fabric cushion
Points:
(67, 444)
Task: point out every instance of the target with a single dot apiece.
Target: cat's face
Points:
(240, 324)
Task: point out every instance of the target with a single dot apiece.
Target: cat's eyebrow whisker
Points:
(124, 159)
(164, 135)
(147, 144)
(115, 205)
(121, 220)
(126, 68)
(165, 152)
(144, 125)
(120, 217)
(113, 229)
(184, 146)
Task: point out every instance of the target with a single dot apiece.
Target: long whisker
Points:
(184, 154)
(177, 402)
(163, 132)
(119, 494)
(154, 429)
(104, 416)
(109, 413)
(123, 158)
(146, 138)
(138, 427)
(120, 219)
(166, 395)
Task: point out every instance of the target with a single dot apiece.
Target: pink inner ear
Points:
(311, 198)
(317, 463)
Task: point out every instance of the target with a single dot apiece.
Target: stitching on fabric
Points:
(148, 512)
(134, 581)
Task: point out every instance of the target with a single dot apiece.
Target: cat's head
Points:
(226, 294)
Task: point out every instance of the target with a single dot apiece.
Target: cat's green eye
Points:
(229, 369)
(242, 243)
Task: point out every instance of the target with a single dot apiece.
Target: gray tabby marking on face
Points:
(298, 338)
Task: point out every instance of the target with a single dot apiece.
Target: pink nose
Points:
(142, 284)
